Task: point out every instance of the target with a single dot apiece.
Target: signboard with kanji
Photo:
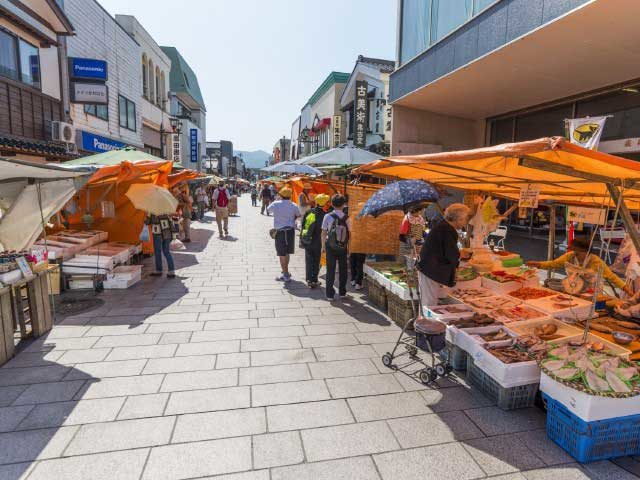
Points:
(360, 116)
(529, 196)
(336, 130)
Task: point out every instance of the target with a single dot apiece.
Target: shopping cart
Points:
(428, 336)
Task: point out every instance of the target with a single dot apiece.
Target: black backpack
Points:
(338, 235)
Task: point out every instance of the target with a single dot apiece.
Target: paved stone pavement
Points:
(226, 373)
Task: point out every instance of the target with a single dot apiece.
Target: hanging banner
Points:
(175, 148)
(360, 115)
(594, 216)
(336, 129)
(529, 196)
(586, 132)
(193, 145)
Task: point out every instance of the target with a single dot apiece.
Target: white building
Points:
(295, 137)
(376, 73)
(103, 127)
(186, 103)
(155, 67)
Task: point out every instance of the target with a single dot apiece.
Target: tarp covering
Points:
(109, 184)
(183, 176)
(564, 172)
(340, 157)
(24, 188)
(116, 157)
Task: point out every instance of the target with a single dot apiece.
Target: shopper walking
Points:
(285, 214)
(266, 197)
(304, 200)
(220, 199)
(335, 243)
(439, 256)
(162, 233)
(185, 203)
(311, 239)
(254, 196)
(201, 201)
(356, 261)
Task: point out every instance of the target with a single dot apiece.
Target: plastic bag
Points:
(144, 234)
(176, 245)
(323, 259)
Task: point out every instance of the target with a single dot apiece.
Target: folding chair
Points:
(606, 236)
(501, 234)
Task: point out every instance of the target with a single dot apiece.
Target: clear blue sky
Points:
(258, 61)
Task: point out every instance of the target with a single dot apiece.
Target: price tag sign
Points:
(594, 216)
(24, 267)
(529, 196)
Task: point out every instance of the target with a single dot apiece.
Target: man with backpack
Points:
(335, 243)
(311, 239)
(285, 214)
(221, 198)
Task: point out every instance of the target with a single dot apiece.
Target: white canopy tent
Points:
(292, 167)
(342, 156)
(31, 192)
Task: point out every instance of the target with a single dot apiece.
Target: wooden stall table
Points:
(36, 302)
(7, 345)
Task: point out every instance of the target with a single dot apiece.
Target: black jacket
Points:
(316, 242)
(440, 255)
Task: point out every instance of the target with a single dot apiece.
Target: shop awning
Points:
(564, 172)
(31, 192)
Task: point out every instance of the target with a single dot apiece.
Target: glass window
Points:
(416, 25)
(29, 64)
(145, 80)
(8, 55)
(547, 123)
(127, 113)
(480, 5)
(623, 105)
(100, 111)
(502, 131)
(447, 15)
(157, 86)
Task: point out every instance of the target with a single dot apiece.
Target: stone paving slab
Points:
(226, 374)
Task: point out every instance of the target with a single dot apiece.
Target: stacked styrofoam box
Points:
(123, 277)
(502, 288)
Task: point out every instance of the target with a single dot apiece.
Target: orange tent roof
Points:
(564, 172)
(183, 176)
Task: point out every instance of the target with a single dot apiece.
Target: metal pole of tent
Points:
(552, 236)
(625, 215)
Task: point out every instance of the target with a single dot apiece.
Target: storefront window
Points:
(416, 27)
(29, 64)
(502, 131)
(447, 15)
(624, 108)
(8, 63)
(480, 5)
(127, 113)
(548, 123)
(100, 111)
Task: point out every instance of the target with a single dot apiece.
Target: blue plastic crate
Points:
(592, 441)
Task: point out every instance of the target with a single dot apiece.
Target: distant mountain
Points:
(256, 159)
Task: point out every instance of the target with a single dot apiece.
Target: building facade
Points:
(155, 67)
(375, 72)
(317, 116)
(281, 150)
(294, 150)
(33, 107)
(481, 72)
(102, 46)
(188, 147)
(219, 157)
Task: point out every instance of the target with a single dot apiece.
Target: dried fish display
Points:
(478, 320)
(491, 303)
(588, 369)
(509, 354)
(516, 314)
(530, 293)
(465, 294)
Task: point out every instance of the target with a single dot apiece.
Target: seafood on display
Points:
(589, 369)
(509, 354)
(465, 294)
(496, 336)
(516, 314)
(491, 303)
(532, 344)
(465, 274)
(530, 293)
(477, 320)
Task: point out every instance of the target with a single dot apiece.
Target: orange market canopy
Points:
(564, 172)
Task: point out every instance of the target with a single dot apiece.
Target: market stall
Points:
(515, 337)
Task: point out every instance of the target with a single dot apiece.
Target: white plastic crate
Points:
(125, 272)
(589, 407)
(580, 311)
(502, 288)
(526, 328)
(469, 339)
(446, 313)
(507, 375)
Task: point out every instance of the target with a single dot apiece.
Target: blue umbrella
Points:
(399, 196)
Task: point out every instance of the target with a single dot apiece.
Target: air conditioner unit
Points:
(63, 132)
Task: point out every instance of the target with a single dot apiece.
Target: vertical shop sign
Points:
(361, 115)
(175, 144)
(337, 130)
(193, 144)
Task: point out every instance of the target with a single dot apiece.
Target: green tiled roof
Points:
(333, 78)
(182, 79)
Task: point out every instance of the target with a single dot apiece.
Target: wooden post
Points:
(552, 236)
(625, 215)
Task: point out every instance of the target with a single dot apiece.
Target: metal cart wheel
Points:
(441, 370)
(413, 351)
(387, 360)
(448, 368)
(428, 375)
